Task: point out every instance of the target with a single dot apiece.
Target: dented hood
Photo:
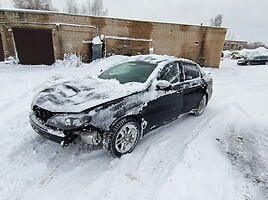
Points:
(78, 95)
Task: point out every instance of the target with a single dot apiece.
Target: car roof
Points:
(157, 59)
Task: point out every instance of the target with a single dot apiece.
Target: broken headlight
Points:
(68, 121)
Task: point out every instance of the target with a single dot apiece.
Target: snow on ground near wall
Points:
(220, 155)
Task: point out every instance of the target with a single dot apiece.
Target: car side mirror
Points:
(163, 85)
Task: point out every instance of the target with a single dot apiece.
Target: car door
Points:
(192, 86)
(256, 60)
(263, 60)
(167, 105)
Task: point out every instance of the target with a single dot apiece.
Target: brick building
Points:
(234, 45)
(36, 37)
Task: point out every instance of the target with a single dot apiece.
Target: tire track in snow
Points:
(244, 149)
(63, 168)
(46, 180)
(153, 159)
(207, 123)
(84, 175)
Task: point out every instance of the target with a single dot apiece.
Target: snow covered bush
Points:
(72, 60)
(11, 60)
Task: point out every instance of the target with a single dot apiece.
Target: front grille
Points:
(42, 114)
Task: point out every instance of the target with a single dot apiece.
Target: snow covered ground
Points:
(221, 155)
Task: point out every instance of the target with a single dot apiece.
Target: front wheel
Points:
(201, 107)
(122, 137)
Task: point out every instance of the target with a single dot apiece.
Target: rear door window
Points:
(191, 71)
(170, 73)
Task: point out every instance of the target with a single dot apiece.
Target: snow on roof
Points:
(128, 38)
(96, 40)
(29, 11)
(157, 59)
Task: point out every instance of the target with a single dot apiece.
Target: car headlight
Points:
(68, 121)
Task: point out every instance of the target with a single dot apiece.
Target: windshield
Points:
(134, 71)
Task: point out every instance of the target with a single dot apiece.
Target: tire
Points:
(248, 63)
(122, 137)
(266, 63)
(201, 107)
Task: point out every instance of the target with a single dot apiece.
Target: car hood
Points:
(78, 95)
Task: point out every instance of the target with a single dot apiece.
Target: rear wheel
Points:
(122, 138)
(201, 107)
(248, 63)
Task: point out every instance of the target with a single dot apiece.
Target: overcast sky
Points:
(245, 19)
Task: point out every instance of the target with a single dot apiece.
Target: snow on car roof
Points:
(157, 59)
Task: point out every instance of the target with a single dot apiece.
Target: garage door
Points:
(1, 49)
(34, 46)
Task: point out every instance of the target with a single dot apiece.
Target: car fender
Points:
(106, 116)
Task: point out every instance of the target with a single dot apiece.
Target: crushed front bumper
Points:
(55, 136)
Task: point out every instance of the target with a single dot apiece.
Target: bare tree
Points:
(71, 6)
(217, 21)
(87, 8)
(84, 9)
(34, 4)
(98, 8)
(255, 45)
(230, 35)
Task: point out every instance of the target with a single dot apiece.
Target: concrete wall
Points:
(73, 33)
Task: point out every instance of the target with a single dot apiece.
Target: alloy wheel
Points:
(126, 138)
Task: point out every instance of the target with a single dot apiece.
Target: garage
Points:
(34, 46)
(1, 49)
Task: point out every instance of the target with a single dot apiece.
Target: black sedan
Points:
(126, 101)
(258, 60)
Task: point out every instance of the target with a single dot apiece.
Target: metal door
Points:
(34, 46)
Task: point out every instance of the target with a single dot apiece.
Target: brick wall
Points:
(73, 33)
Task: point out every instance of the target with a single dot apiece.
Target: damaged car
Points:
(126, 101)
